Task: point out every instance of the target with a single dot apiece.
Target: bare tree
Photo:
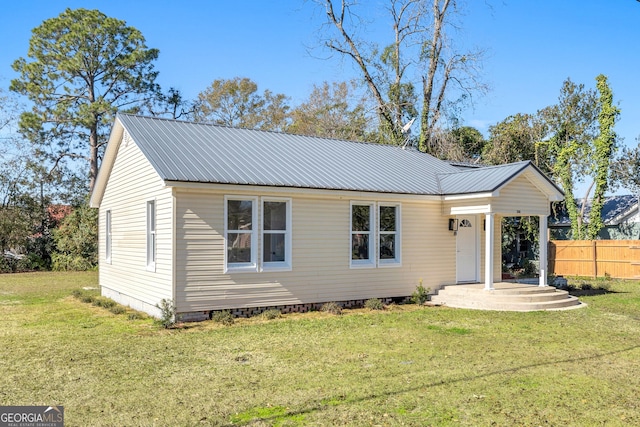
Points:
(446, 70)
(420, 54)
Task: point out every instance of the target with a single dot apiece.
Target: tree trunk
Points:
(428, 81)
(93, 155)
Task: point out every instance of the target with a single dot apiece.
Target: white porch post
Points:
(543, 243)
(488, 252)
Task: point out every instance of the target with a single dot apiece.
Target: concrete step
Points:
(506, 297)
(503, 298)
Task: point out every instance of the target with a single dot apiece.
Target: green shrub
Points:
(86, 298)
(374, 304)
(6, 265)
(117, 309)
(167, 313)
(224, 317)
(76, 240)
(272, 313)
(104, 302)
(331, 307)
(420, 295)
(530, 269)
(136, 315)
(68, 262)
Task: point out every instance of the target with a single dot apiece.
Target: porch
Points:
(505, 296)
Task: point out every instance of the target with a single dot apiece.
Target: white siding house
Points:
(218, 218)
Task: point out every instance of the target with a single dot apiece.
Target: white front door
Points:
(467, 249)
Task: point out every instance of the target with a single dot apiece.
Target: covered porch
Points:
(475, 217)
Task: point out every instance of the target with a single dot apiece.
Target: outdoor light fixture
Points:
(453, 224)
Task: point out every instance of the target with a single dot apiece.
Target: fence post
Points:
(595, 260)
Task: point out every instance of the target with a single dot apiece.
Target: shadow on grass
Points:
(592, 292)
(321, 407)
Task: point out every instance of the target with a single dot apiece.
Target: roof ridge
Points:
(191, 122)
(484, 168)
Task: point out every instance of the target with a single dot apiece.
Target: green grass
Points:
(408, 365)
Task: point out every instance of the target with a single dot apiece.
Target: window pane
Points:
(153, 248)
(238, 247)
(274, 247)
(108, 235)
(359, 246)
(239, 214)
(151, 218)
(275, 215)
(387, 218)
(360, 218)
(387, 246)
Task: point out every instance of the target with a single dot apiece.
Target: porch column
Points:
(543, 243)
(488, 251)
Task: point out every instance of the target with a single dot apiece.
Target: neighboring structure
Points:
(219, 218)
(619, 214)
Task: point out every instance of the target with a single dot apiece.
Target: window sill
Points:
(276, 267)
(253, 268)
(389, 264)
(365, 264)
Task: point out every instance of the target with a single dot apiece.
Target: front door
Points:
(467, 249)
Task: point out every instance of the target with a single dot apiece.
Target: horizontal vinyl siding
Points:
(320, 256)
(132, 183)
(521, 197)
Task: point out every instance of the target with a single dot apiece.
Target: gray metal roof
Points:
(614, 210)
(479, 180)
(194, 152)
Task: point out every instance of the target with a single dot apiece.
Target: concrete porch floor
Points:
(506, 296)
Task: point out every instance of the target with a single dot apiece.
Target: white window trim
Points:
(152, 253)
(246, 267)
(108, 236)
(397, 261)
(285, 265)
(363, 263)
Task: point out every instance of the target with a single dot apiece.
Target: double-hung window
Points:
(240, 233)
(375, 234)
(362, 235)
(107, 236)
(244, 234)
(388, 234)
(151, 235)
(276, 234)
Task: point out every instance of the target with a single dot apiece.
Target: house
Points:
(216, 218)
(619, 214)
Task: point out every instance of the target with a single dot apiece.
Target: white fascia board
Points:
(115, 139)
(466, 210)
(471, 196)
(308, 192)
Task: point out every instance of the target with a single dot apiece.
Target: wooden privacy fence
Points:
(595, 258)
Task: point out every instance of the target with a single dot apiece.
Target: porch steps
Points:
(505, 297)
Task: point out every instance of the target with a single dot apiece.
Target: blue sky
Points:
(533, 46)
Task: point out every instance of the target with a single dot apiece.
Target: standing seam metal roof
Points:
(479, 180)
(195, 152)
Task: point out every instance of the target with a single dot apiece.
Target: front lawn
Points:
(405, 366)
